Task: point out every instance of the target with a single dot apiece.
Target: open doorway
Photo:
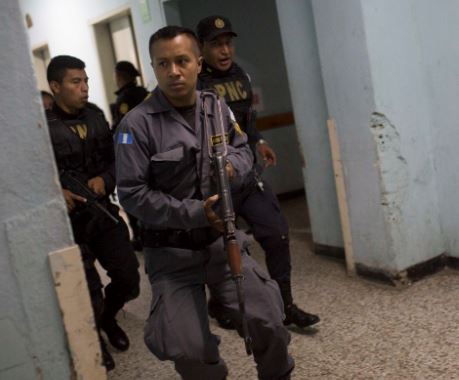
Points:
(259, 52)
(115, 41)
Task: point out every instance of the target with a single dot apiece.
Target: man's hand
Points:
(212, 217)
(97, 185)
(70, 199)
(229, 170)
(268, 155)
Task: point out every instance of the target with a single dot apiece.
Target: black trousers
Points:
(262, 212)
(102, 240)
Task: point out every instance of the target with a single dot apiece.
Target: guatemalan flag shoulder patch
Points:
(125, 138)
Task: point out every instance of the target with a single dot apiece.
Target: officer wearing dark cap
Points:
(129, 94)
(256, 201)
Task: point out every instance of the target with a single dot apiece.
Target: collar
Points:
(158, 103)
(61, 114)
(215, 72)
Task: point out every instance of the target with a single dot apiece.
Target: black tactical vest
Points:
(233, 85)
(82, 143)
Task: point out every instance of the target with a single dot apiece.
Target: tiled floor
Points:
(368, 330)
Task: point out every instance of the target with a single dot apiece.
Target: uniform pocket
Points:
(155, 330)
(164, 167)
(173, 155)
(159, 333)
(272, 292)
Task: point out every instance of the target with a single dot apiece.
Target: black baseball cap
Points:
(127, 67)
(211, 27)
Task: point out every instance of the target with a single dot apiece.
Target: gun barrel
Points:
(105, 212)
(245, 327)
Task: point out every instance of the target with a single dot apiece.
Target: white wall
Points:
(409, 182)
(372, 57)
(33, 219)
(438, 28)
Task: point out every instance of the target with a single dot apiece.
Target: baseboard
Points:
(453, 262)
(407, 276)
(401, 278)
(329, 250)
(291, 194)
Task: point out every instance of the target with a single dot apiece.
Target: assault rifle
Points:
(217, 146)
(71, 182)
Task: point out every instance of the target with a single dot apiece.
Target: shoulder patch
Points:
(238, 129)
(125, 138)
(236, 126)
(231, 115)
(123, 108)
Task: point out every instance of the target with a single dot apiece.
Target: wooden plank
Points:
(275, 121)
(77, 314)
(342, 199)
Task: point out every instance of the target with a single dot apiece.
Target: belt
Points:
(194, 239)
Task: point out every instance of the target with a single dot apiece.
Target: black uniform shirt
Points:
(127, 97)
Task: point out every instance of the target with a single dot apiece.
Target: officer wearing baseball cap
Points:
(255, 201)
(211, 27)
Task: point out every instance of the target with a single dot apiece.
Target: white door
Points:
(123, 40)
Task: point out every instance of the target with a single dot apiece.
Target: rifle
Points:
(71, 182)
(217, 152)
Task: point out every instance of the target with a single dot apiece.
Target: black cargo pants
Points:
(103, 240)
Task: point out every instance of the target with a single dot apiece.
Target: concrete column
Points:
(310, 109)
(33, 219)
(375, 89)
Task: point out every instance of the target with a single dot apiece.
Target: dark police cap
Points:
(211, 27)
(127, 67)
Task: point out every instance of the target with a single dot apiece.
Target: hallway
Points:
(368, 330)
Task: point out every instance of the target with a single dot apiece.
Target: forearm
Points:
(159, 210)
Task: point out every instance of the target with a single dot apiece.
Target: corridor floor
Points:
(368, 330)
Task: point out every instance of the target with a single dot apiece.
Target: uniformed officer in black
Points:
(165, 179)
(83, 147)
(256, 201)
(128, 95)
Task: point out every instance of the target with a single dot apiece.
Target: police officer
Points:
(256, 201)
(83, 148)
(164, 179)
(128, 95)
(47, 100)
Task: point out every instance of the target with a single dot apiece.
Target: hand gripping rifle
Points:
(217, 146)
(71, 182)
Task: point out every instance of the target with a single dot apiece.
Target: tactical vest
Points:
(234, 86)
(83, 144)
